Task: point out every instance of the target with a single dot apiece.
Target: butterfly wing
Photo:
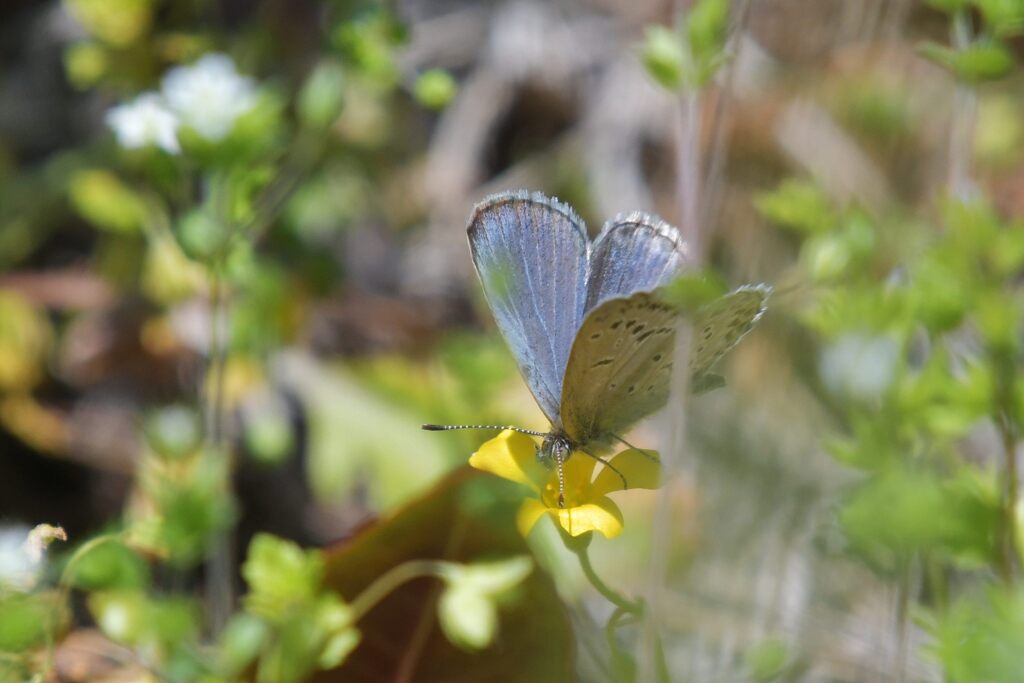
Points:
(619, 368)
(720, 325)
(531, 253)
(634, 253)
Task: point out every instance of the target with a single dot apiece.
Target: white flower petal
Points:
(143, 122)
(209, 95)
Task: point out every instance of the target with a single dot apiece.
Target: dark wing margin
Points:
(532, 254)
(636, 252)
(720, 325)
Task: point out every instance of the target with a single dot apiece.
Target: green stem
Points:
(1011, 495)
(621, 602)
(391, 580)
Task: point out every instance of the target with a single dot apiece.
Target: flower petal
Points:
(602, 515)
(642, 470)
(529, 513)
(512, 456)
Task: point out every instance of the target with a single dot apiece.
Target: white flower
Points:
(859, 366)
(145, 121)
(209, 95)
(18, 568)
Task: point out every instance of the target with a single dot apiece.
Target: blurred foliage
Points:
(228, 205)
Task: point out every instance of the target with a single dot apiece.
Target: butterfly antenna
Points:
(613, 468)
(446, 428)
(561, 478)
(628, 444)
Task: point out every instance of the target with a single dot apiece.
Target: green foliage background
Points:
(216, 352)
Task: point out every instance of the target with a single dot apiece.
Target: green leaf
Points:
(173, 432)
(435, 88)
(202, 236)
(691, 291)
(117, 22)
(768, 659)
(903, 511)
(980, 640)
(706, 25)
(24, 620)
(322, 95)
(535, 641)
(109, 566)
(981, 61)
(241, 642)
(664, 57)
(1005, 17)
(281, 576)
(798, 205)
(468, 618)
(490, 578)
(103, 200)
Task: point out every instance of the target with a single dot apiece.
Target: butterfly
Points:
(584, 320)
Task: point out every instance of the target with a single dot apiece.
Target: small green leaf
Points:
(980, 639)
(109, 566)
(241, 641)
(981, 61)
(768, 659)
(706, 25)
(434, 89)
(468, 618)
(691, 291)
(103, 200)
(1005, 17)
(664, 57)
(490, 578)
(173, 432)
(322, 96)
(798, 205)
(280, 576)
(23, 621)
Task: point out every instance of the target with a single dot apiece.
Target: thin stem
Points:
(905, 590)
(961, 137)
(712, 190)
(651, 660)
(1011, 495)
(622, 603)
(391, 580)
(220, 562)
(688, 168)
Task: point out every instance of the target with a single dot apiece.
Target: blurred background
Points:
(239, 329)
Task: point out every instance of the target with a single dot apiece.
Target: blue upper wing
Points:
(531, 253)
(634, 253)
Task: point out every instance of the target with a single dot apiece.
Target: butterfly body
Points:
(592, 339)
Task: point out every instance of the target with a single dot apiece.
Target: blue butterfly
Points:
(583, 320)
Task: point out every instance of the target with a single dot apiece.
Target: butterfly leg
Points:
(639, 450)
(606, 463)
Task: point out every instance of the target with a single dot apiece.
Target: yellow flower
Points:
(512, 456)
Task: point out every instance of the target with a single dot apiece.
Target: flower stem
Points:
(391, 580)
(621, 602)
(964, 105)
